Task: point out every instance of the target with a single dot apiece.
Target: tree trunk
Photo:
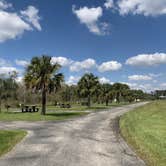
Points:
(0, 103)
(106, 103)
(118, 97)
(43, 112)
(89, 101)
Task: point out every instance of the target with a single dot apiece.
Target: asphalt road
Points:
(92, 140)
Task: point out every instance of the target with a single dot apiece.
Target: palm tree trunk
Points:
(89, 100)
(43, 112)
(118, 97)
(106, 103)
(0, 103)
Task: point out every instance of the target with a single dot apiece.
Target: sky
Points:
(117, 40)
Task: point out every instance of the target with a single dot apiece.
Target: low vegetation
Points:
(8, 139)
(10, 116)
(145, 130)
(42, 84)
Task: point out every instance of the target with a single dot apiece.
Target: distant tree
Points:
(10, 87)
(1, 91)
(106, 92)
(65, 93)
(129, 95)
(87, 86)
(119, 90)
(41, 75)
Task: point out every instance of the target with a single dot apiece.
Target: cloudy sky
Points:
(119, 41)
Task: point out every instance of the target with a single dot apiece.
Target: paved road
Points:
(87, 141)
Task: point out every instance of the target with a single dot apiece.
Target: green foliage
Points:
(106, 93)
(119, 90)
(87, 86)
(42, 83)
(145, 129)
(8, 87)
(41, 75)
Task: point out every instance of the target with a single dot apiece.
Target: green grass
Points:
(94, 107)
(8, 139)
(145, 130)
(37, 117)
(53, 113)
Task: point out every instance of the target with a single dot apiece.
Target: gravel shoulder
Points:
(92, 140)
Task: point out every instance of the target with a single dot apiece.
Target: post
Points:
(43, 112)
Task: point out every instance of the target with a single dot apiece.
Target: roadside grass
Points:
(54, 112)
(8, 139)
(19, 116)
(145, 130)
(78, 107)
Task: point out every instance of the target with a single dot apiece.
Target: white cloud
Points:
(140, 86)
(2, 62)
(163, 86)
(73, 80)
(155, 75)
(104, 80)
(19, 79)
(7, 70)
(12, 25)
(63, 61)
(4, 5)
(90, 17)
(109, 4)
(147, 59)
(145, 7)
(140, 78)
(83, 65)
(110, 66)
(31, 15)
(21, 63)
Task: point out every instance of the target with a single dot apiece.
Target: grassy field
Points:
(11, 116)
(8, 139)
(53, 113)
(75, 107)
(145, 130)
(94, 107)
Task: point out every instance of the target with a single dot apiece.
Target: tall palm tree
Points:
(87, 86)
(106, 89)
(41, 74)
(119, 89)
(1, 91)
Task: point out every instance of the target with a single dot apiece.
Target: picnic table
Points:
(30, 108)
(65, 105)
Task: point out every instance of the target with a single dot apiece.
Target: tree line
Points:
(43, 83)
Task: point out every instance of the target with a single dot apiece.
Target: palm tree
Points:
(106, 89)
(87, 86)
(1, 91)
(41, 74)
(119, 89)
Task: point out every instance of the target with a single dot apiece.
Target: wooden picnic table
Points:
(30, 108)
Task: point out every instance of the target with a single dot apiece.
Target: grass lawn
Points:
(8, 139)
(53, 112)
(94, 107)
(37, 117)
(145, 130)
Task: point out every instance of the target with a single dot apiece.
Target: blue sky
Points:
(119, 41)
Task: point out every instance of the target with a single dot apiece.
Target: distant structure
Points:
(162, 97)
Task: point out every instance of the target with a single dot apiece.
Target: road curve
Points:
(91, 140)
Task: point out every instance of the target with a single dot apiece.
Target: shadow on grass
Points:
(98, 108)
(47, 114)
(66, 114)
